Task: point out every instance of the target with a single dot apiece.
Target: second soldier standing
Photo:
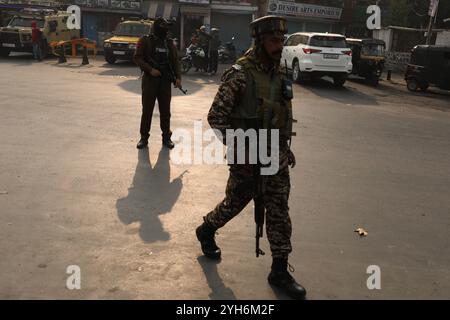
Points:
(157, 55)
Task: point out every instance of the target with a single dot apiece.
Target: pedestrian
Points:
(252, 86)
(214, 51)
(157, 57)
(36, 39)
(203, 41)
(194, 38)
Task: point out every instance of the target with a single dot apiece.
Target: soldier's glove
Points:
(291, 158)
(155, 73)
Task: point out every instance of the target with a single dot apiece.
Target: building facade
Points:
(100, 17)
(231, 17)
(307, 15)
(9, 8)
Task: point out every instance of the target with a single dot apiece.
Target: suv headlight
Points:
(132, 46)
(107, 44)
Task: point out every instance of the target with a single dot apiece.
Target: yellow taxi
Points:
(122, 44)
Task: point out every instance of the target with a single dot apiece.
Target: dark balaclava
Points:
(161, 28)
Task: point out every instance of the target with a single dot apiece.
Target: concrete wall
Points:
(397, 61)
(385, 35)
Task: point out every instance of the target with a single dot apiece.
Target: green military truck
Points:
(16, 36)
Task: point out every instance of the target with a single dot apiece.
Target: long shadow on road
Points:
(150, 195)
(192, 85)
(219, 290)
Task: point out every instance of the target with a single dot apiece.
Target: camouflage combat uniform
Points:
(240, 186)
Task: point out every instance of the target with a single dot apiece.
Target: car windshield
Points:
(373, 50)
(328, 42)
(132, 29)
(25, 22)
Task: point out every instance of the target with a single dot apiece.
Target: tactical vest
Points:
(262, 105)
(160, 51)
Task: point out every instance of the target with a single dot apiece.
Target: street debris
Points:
(362, 232)
(3, 192)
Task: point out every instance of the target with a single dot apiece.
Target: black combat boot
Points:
(142, 143)
(167, 142)
(205, 234)
(280, 277)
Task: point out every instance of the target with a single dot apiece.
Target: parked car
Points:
(310, 55)
(122, 45)
(429, 65)
(16, 36)
(367, 58)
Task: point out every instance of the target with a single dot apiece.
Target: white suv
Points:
(314, 55)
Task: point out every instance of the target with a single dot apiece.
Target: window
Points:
(132, 29)
(289, 41)
(304, 39)
(296, 40)
(327, 42)
(373, 50)
(53, 25)
(25, 22)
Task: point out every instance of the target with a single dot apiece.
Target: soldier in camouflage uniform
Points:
(257, 73)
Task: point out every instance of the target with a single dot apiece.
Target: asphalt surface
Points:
(74, 190)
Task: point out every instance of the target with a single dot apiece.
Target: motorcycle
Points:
(195, 57)
(227, 53)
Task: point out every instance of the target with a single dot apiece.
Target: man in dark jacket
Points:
(36, 41)
(214, 51)
(157, 56)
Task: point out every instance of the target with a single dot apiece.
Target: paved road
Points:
(75, 191)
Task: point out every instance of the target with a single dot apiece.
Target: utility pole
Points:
(432, 13)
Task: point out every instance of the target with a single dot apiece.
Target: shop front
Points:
(193, 14)
(233, 18)
(100, 17)
(307, 17)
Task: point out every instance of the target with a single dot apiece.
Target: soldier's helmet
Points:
(162, 23)
(268, 25)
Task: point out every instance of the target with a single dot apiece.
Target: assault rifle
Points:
(169, 73)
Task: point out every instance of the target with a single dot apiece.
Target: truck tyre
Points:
(110, 59)
(4, 53)
(412, 84)
(339, 81)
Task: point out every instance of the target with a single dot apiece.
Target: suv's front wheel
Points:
(110, 59)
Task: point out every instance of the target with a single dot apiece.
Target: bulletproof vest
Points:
(160, 51)
(262, 105)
